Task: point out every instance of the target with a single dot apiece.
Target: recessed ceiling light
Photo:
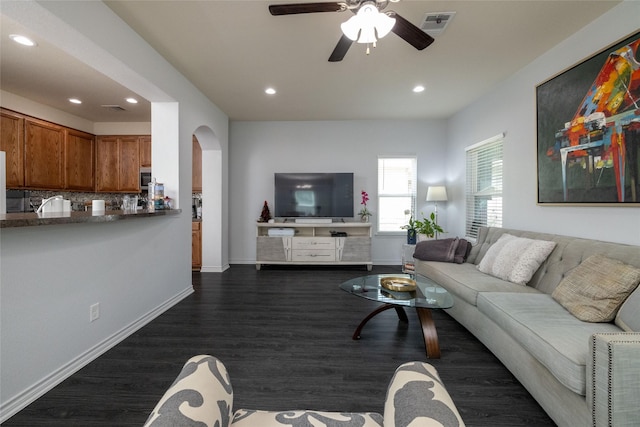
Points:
(132, 100)
(25, 41)
(75, 101)
(418, 89)
(270, 91)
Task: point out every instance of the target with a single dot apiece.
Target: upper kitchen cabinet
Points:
(145, 151)
(12, 143)
(118, 164)
(196, 167)
(107, 163)
(44, 154)
(79, 160)
(129, 164)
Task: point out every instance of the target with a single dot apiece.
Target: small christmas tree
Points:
(265, 216)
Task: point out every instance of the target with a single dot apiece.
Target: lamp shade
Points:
(437, 194)
(366, 23)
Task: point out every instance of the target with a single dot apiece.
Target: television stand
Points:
(314, 244)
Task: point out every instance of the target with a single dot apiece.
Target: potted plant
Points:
(428, 227)
(364, 212)
(411, 231)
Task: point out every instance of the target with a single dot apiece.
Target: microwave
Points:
(145, 178)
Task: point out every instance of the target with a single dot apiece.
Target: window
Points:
(397, 177)
(484, 185)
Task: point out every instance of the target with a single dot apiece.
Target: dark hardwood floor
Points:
(284, 334)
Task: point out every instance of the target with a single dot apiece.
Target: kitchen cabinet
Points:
(47, 156)
(196, 167)
(44, 154)
(12, 143)
(196, 245)
(107, 164)
(79, 160)
(129, 151)
(145, 151)
(117, 164)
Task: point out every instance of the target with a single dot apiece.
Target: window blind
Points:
(483, 188)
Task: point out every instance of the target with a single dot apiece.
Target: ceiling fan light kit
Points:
(367, 26)
(366, 23)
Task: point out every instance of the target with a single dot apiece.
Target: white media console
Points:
(313, 243)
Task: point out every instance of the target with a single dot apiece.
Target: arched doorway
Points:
(213, 238)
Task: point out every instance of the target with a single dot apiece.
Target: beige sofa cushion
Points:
(515, 259)
(551, 334)
(628, 317)
(594, 290)
(465, 281)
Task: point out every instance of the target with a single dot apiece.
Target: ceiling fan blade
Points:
(292, 9)
(341, 49)
(410, 33)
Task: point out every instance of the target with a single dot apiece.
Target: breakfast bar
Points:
(31, 219)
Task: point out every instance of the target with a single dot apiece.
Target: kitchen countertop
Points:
(30, 219)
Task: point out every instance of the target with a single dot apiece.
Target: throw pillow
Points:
(445, 250)
(462, 252)
(515, 259)
(595, 289)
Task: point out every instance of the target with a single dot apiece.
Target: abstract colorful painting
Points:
(589, 130)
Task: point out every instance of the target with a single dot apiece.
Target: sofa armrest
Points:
(613, 379)
(416, 396)
(201, 393)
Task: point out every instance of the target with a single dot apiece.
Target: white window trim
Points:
(400, 231)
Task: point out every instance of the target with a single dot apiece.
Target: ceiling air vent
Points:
(113, 107)
(435, 23)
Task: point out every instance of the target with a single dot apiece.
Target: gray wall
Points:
(511, 108)
(259, 149)
(50, 275)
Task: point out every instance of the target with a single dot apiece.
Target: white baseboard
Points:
(218, 269)
(15, 404)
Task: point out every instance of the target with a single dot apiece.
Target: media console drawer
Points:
(315, 255)
(313, 243)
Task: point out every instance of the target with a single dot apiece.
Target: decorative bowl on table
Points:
(398, 284)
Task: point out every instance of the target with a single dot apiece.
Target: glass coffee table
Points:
(394, 291)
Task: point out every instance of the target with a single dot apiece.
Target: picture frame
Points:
(588, 130)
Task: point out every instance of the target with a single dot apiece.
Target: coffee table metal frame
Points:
(427, 296)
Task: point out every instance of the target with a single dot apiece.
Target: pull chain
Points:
(369, 50)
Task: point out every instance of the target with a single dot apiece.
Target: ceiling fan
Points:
(359, 28)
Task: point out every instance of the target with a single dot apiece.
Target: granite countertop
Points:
(54, 218)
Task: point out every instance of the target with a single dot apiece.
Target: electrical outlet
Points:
(94, 312)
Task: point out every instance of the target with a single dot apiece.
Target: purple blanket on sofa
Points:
(445, 250)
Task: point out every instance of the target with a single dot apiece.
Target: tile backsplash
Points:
(79, 200)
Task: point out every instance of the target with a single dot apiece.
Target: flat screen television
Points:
(313, 195)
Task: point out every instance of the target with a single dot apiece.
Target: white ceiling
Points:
(233, 50)
(45, 74)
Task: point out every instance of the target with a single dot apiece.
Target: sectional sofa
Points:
(582, 372)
